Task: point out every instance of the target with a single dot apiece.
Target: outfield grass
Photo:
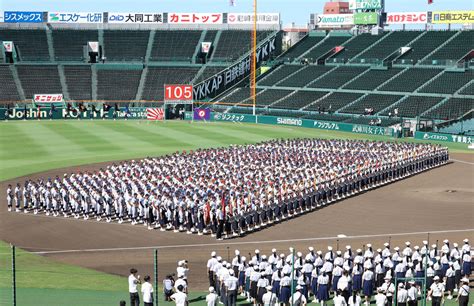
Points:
(32, 146)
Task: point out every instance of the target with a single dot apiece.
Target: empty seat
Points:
(390, 44)
(449, 82)
(31, 44)
(270, 96)
(125, 45)
(327, 45)
(356, 46)
(410, 80)
(69, 44)
(278, 74)
(305, 76)
(372, 79)
(117, 84)
(301, 47)
(39, 79)
(79, 82)
(174, 45)
(8, 90)
(338, 77)
(451, 109)
(299, 99)
(424, 46)
(375, 101)
(334, 101)
(414, 106)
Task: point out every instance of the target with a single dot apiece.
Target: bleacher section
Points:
(305, 76)
(301, 47)
(158, 76)
(328, 44)
(69, 44)
(299, 100)
(39, 79)
(424, 46)
(414, 106)
(334, 101)
(117, 84)
(233, 44)
(410, 80)
(454, 50)
(175, 45)
(270, 96)
(125, 45)
(278, 74)
(208, 72)
(469, 90)
(356, 46)
(451, 109)
(8, 90)
(32, 45)
(79, 82)
(372, 79)
(449, 82)
(390, 44)
(238, 95)
(376, 101)
(338, 77)
(210, 35)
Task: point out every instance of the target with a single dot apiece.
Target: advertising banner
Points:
(47, 98)
(155, 114)
(8, 46)
(202, 114)
(219, 82)
(248, 18)
(333, 20)
(444, 137)
(206, 46)
(22, 17)
(365, 4)
(407, 18)
(93, 46)
(445, 17)
(195, 18)
(155, 18)
(66, 17)
(366, 18)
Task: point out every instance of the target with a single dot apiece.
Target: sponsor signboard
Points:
(332, 20)
(365, 4)
(228, 77)
(444, 137)
(22, 17)
(8, 46)
(47, 98)
(155, 18)
(155, 114)
(445, 17)
(366, 18)
(248, 18)
(78, 17)
(195, 18)
(202, 114)
(407, 18)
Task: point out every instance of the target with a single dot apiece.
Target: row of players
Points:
(345, 274)
(223, 220)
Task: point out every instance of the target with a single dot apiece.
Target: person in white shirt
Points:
(133, 282)
(388, 289)
(436, 292)
(402, 295)
(168, 284)
(355, 299)
(463, 293)
(179, 297)
(343, 284)
(339, 299)
(269, 298)
(210, 268)
(211, 298)
(298, 297)
(381, 299)
(147, 292)
(450, 281)
(181, 282)
(231, 284)
(412, 294)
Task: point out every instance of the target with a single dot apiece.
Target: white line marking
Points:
(462, 161)
(247, 242)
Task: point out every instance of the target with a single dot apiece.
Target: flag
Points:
(430, 1)
(155, 114)
(223, 204)
(232, 2)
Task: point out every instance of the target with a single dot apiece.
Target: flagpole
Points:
(253, 75)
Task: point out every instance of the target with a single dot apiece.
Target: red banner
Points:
(45, 98)
(195, 18)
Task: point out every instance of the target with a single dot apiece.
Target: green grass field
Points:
(30, 147)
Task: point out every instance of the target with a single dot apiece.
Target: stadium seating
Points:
(39, 79)
(210, 35)
(449, 82)
(69, 44)
(334, 101)
(410, 80)
(175, 45)
(414, 106)
(338, 77)
(117, 84)
(208, 72)
(453, 50)
(356, 46)
(79, 82)
(390, 44)
(8, 90)
(325, 117)
(424, 46)
(328, 44)
(125, 45)
(305, 76)
(372, 79)
(299, 99)
(376, 101)
(451, 109)
(32, 45)
(463, 126)
(278, 74)
(238, 95)
(283, 113)
(233, 44)
(301, 47)
(270, 96)
(469, 90)
(158, 76)
(369, 121)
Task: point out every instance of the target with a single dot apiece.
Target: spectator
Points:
(179, 297)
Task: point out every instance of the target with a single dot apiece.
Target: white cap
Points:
(338, 253)
(213, 253)
(231, 272)
(396, 248)
(257, 251)
(311, 249)
(329, 248)
(464, 280)
(299, 254)
(387, 277)
(425, 242)
(416, 247)
(410, 264)
(228, 265)
(237, 252)
(291, 249)
(219, 258)
(299, 287)
(348, 247)
(369, 245)
(407, 243)
(379, 250)
(400, 285)
(319, 252)
(466, 240)
(437, 258)
(446, 241)
(274, 250)
(359, 251)
(412, 282)
(264, 257)
(269, 287)
(282, 255)
(386, 244)
(455, 245)
(180, 263)
(436, 277)
(243, 258)
(211, 289)
(433, 246)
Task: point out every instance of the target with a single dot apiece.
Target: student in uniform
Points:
(168, 284)
(463, 293)
(450, 281)
(269, 298)
(355, 299)
(133, 282)
(402, 295)
(388, 289)
(179, 297)
(9, 197)
(338, 299)
(211, 298)
(323, 288)
(298, 298)
(147, 292)
(381, 299)
(368, 285)
(436, 292)
(231, 284)
(412, 293)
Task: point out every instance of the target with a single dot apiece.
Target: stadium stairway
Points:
(390, 79)
(355, 78)
(282, 98)
(442, 102)
(392, 106)
(94, 82)
(289, 75)
(320, 77)
(62, 79)
(422, 61)
(19, 87)
(141, 84)
(302, 55)
(151, 41)
(49, 39)
(198, 46)
(429, 82)
(348, 105)
(215, 43)
(316, 101)
(464, 90)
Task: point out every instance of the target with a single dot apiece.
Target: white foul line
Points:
(247, 242)
(462, 161)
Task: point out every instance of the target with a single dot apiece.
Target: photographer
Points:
(133, 282)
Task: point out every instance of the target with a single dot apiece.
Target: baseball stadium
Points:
(237, 153)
